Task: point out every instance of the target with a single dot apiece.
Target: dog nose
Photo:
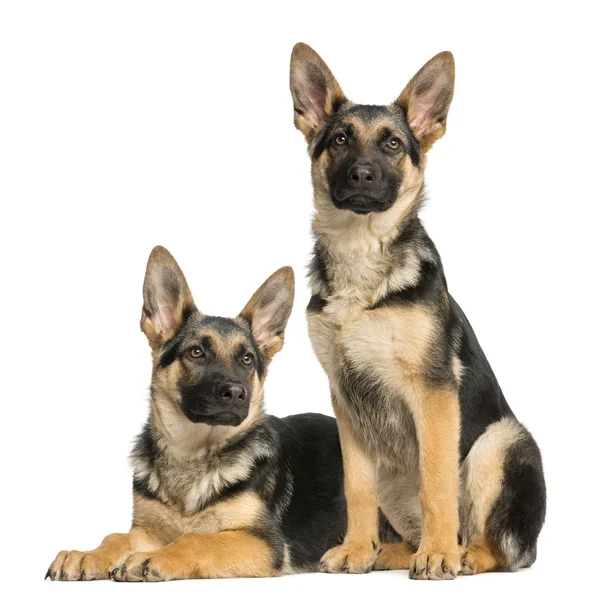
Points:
(362, 176)
(232, 392)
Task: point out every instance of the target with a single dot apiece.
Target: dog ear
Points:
(167, 300)
(315, 92)
(426, 99)
(267, 312)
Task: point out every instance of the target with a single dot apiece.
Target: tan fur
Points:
(457, 369)
(382, 339)
(357, 553)
(207, 544)
(283, 283)
(182, 437)
(98, 563)
(157, 331)
(391, 343)
(437, 417)
(307, 116)
(167, 523)
(481, 479)
(366, 134)
(225, 346)
(440, 67)
(393, 556)
(156, 528)
(479, 558)
(200, 555)
(362, 234)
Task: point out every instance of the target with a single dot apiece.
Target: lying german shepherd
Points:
(424, 427)
(220, 489)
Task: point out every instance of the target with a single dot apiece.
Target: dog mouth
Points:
(360, 203)
(223, 417)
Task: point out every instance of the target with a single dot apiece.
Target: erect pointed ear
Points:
(167, 300)
(426, 99)
(315, 92)
(267, 312)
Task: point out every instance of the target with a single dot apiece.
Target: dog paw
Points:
(77, 566)
(350, 558)
(468, 564)
(393, 556)
(142, 566)
(434, 565)
(469, 561)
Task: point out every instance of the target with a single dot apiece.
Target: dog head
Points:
(366, 159)
(206, 369)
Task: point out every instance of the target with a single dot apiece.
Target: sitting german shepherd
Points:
(424, 427)
(220, 489)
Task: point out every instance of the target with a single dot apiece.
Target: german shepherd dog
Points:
(219, 488)
(425, 430)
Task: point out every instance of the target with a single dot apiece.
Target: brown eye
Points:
(340, 139)
(195, 352)
(394, 143)
(247, 359)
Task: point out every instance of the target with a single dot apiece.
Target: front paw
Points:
(78, 566)
(435, 565)
(143, 566)
(350, 557)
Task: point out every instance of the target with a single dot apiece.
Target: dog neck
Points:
(181, 439)
(187, 465)
(357, 248)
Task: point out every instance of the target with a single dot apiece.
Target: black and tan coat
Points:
(425, 430)
(220, 489)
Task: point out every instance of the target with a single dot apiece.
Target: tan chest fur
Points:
(169, 522)
(193, 484)
(186, 484)
(387, 348)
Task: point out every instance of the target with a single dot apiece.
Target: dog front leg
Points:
(98, 564)
(359, 549)
(437, 419)
(201, 556)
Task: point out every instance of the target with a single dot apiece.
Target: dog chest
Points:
(381, 418)
(390, 343)
(167, 522)
(369, 356)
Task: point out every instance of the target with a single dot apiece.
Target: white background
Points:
(125, 125)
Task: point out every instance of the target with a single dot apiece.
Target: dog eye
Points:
(394, 143)
(195, 352)
(247, 359)
(340, 139)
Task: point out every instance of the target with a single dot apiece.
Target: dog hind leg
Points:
(502, 500)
